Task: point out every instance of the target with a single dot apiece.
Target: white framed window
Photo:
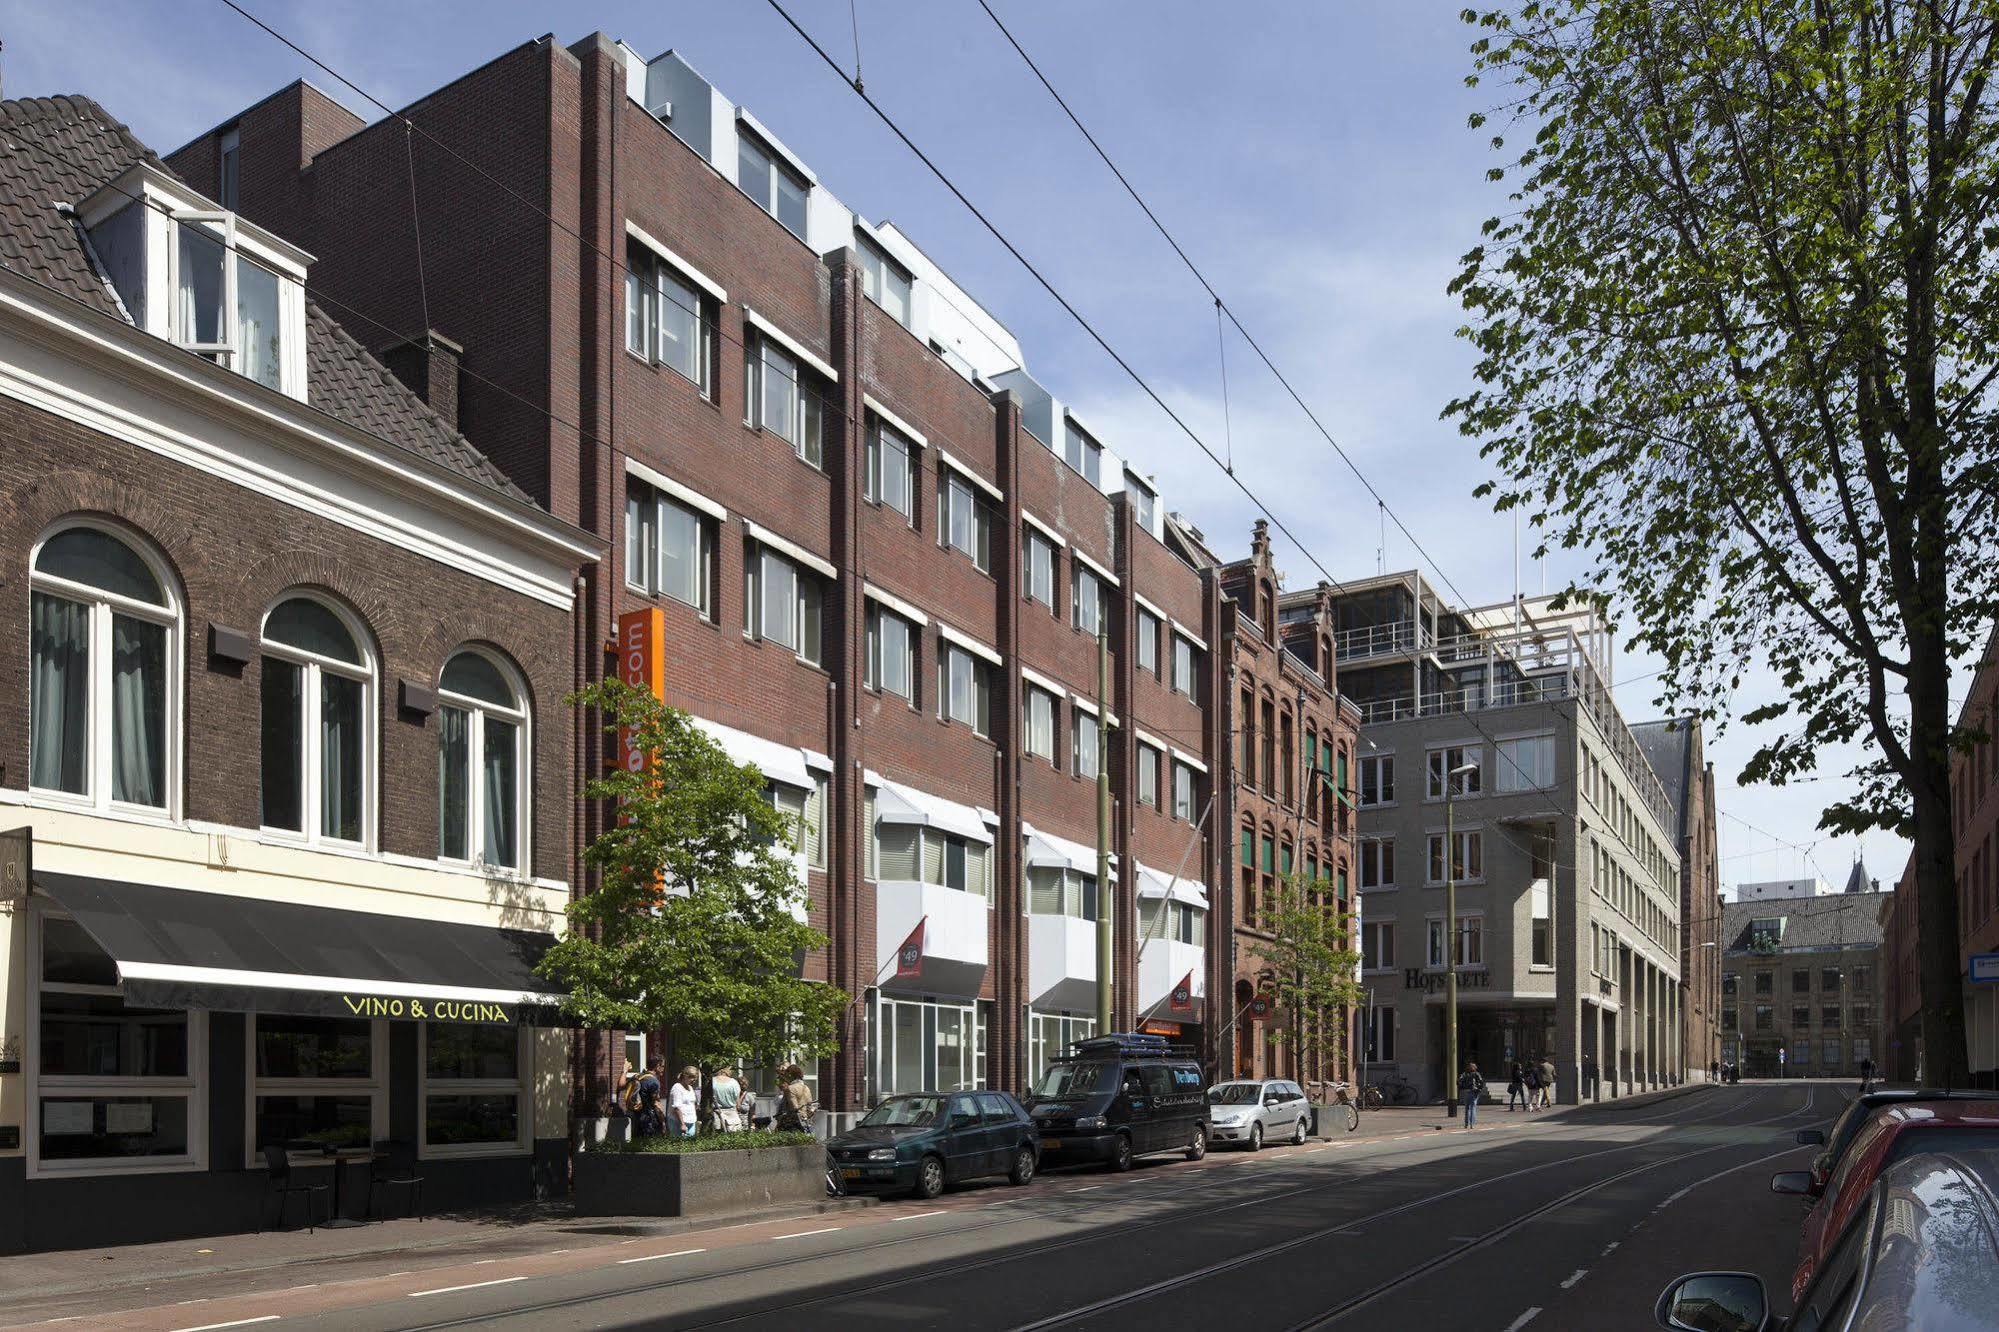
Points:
(1471, 942)
(1039, 706)
(1183, 791)
(891, 663)
(883, 280)
(781, 397)
(1083, 743)
(666, 318)
(921, 1046)
(104, 680)
(1142, 500)
(1083, 453)
(1148, 642)
(1541, 924)
(1184, 667)
(1176, 922)
(891, 479)
(1467, 861)
(771, 182)
(1053, 891)
(1377, 862)
(111, 1088)
(964, 519)
(1052, 1033)
(318, 695)
(1442, 762)
(1377, 780)
(964, 688)
(474, 1090)
(914, 852)
(1526, 763)
(1037, 567)
(1088, 601)
(226, 305)
(1377, 945)
(806, 808)
(484, 778)
(669, 548)
(786, 603)
(322, 1080)
(1148, 775)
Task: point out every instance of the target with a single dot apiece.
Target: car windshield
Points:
(1236, 1093)
(905, 1112)
(1067, 1081)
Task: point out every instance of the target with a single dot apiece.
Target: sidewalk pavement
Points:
(1392, 1120)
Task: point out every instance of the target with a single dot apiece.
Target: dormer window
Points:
(883, 280)
(1083, 453)
(202, 277)
(768, 179)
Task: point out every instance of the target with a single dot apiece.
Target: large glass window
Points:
(1443, 762)
(482, 764)
(474, 1098)
(1054, 891)
(665, 319)
(1148, 775)
(784, 400)
(786, 603)
(1148, 642)
(806, 808)
(1083, 453)
(771, 182)
(891, 663)
(102, 679)
(1040, 729)
(1527, 764)
(883, 280)
(317, 692)
(1037, 573)
(1087, 601)
(930, 1047)
(226, 305)
(1052, 1033)
(891, 478)
(1083, 743)
(316, 1081)
(1177, 922)
(1184, 667)
(1467, 860)
(1377, 780)
(1471, 942)
(964, 688)
(965, 520)
(669, 548)
(1183, 791)
(1377, 862)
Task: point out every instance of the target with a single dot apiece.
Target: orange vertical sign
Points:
(641, 663)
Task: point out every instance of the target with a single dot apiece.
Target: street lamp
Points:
(1451, 938)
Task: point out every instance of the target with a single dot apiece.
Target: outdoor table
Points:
(340, 1156)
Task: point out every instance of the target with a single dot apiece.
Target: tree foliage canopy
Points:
(696, 924)
(1313, 968)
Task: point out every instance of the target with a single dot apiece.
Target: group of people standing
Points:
(1531, 1085)
(656, 1106)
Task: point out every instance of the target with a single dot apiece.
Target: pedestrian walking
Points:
(645, 1108)
(1530, 1085)
(1866, 1074)
(683, 1103)
(1547, 1071)
(727, 1115)
(1472, 1087)
(795, 1106)
(1516, 1087)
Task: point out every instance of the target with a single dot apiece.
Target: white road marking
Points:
(1709, 1179)
(1608, 1247)
(655, 1257)
(1523, 1319)
(1349, 1232)
(1574, 1277)
(481, 1262)
(550, 1253)
(918, 1216)
(448, 1290)
(240, 1322)
(1085, 1189)
(801, 1234)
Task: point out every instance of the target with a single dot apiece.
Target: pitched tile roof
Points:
(1835, 920)
(61, 150)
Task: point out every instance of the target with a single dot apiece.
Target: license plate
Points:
(1050, 1144)
(851, 1172)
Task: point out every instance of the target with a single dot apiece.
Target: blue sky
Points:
(1312, 158)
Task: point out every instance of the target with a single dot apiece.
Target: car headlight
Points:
(1090, 1122)
(882, 1154)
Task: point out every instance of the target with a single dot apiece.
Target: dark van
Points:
(1113, 1098)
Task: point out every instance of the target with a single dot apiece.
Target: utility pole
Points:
(1451, 937)
(1104, 936)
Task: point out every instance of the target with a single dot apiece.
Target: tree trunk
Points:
(1946, 1061)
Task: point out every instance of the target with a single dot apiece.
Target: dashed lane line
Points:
(240, 1322)
(452, 1290)
(1523, 1319)
(918, 1216)
(801, 1234)
(655, 1257)
(1574, 1277)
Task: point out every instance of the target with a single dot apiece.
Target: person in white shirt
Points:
(683, 1103)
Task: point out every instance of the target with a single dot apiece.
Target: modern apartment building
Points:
(877, 553)
(1561, 839)
(284, 778)
(1673, 747)
(1802, 985)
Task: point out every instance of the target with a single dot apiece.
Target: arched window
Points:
(318, 743)
(103, 671)
(482, 781)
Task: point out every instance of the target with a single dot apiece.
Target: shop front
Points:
(175, 1038)
(1493, 1036)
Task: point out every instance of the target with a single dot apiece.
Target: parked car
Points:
(1840, 1136)
(922, 1142)
(1252, 1113)
(1115, 1098)
(1891, 1133)
(1921, 1251)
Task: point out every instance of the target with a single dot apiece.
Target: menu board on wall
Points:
(60, 1117)
(128, 1117)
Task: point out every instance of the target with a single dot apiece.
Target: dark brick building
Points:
(1673, 747)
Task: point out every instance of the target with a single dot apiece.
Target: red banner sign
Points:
(909, 957)
(1183, 995)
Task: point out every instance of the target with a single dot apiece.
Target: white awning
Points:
(1159, 883)
(789, 764)
(897, 803)
(1051, 852)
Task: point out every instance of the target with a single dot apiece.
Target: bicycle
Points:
(1343, 1101)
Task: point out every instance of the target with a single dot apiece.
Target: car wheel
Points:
(1023, 1166)
(1198, 1147)
(1121, 1154)
(1256, 1137)
(1298, 1134)
(929, 1178)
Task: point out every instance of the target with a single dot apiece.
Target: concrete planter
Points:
(718, 1183)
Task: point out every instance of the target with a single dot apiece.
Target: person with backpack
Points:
(1472, 1087)
(1531, 1081)
(795, 1106)
(647, 1119)
(1516, 1087)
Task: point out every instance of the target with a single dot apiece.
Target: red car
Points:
(1892, 1132)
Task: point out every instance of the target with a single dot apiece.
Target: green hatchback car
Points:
(920, 1142)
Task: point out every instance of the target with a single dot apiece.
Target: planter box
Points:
(718, 1183)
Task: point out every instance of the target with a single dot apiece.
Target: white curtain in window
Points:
(59, 686)
(340, 758)
(258, 326)
(138, 711)
(454, 759)
(502, 791)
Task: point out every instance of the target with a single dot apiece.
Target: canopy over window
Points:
(897, 803)
(789, 764)
(1161, 883)
(1046, 850)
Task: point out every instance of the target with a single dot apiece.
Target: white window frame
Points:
(877, 615)
(1148, 642)
(1185, 664)
(1037, 561)
(647, 275)
(522, 1087)
(314, 665)
(1382, 931)
(973, 1051)
(1377, 854)
(1085, 760)
(645, 546)
(1471, 926)
(1149, 760)
(805, 430)
(949, 656)
(375, 1087)
(1038, 699)
(1440, 760)
(755, 578)
(953, 490)
(102, 606)
(1381, 1036)
(1512, 775)
(475, 756)
(880, 275)
(883, 442)
(1184, 809)
(1467, 839)
(194, 1086)
(1089, 600)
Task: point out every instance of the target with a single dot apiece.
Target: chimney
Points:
(429, 365)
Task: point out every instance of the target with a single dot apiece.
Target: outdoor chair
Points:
(395, 1167)
(279, 1167)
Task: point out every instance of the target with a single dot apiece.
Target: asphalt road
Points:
(1561, 1223)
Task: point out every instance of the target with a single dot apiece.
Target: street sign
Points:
(1985, 968)
(1782, 1056)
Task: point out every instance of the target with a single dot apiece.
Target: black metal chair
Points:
(279, 1166)
(395, 1167)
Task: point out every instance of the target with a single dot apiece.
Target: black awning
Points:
(180, 949)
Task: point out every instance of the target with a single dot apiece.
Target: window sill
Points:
(473, 1153)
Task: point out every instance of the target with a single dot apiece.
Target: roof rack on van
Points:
(1129, 1043)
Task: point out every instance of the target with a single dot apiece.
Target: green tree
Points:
(1313, 970)
(1736, 341)
(696, 923)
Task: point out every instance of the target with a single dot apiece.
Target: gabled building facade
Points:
(1673, 747)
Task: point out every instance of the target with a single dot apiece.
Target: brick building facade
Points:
(1674, 749)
